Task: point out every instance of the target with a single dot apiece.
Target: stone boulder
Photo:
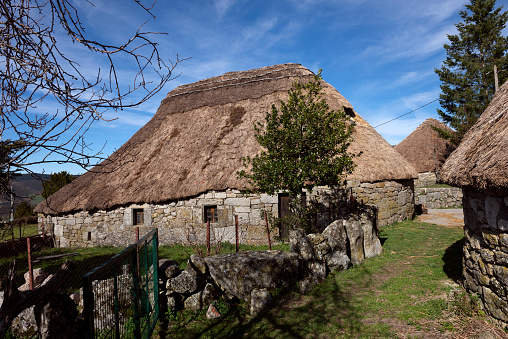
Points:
(202, 299)
(187, 282)
(57, 317)
(237, 274)
(168, 269)
(354, 233)
(335, 252)
(260, 300)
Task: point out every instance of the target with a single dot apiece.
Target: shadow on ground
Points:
(293, 315)
(453, 261)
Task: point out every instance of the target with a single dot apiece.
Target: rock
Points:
(260, 300)
(24, 322)
(371, 245)
(212, 312)
(39, 277)
(198, 263)
(202, 299)
(301, 244)
(314, 273)
(210, 294)
(316, 238)
(237, 274)
(57, 317)
(168, 268)
(354, 233)
(336, 256)
(185, 283)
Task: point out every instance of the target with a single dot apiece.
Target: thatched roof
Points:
(481, 160)
(424, 149)
(195, 142)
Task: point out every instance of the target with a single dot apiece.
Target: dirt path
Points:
(452, 217)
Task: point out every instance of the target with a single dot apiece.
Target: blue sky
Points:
(380, 54)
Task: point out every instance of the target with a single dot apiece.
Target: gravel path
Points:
(452, 217)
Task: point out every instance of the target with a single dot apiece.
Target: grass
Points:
(18, 232)
(401, 293)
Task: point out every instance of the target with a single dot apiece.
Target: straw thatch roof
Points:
(195, 142)
(481, 160)
(424, 149)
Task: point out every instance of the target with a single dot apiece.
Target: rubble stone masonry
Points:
(485, 260)
(184, 221)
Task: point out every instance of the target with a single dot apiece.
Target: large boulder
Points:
(187, 282)
(239, 273)
(57, 317)
(354, 233)
(371, 245)
(260, 301)
(335, 249)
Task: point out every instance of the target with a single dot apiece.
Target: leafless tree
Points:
(34, 68)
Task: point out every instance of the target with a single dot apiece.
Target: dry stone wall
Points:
(426, 179)
(184, 221)
(485, 261)
(438, 197)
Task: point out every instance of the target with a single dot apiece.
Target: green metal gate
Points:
(121, 295)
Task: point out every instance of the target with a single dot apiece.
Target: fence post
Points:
(137, 233)
(208, 238)
(30, 271)
(236, 230)
(268, 233)
(43, 231)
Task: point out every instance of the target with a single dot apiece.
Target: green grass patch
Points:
(404, 288)
(7, 234)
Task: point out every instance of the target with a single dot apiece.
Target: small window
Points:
(137, 215)
(211, 214)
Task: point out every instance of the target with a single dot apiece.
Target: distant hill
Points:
(26, 188)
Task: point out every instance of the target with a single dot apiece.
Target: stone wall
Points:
(395, 200)
(485, 261)
(438, 197)
(184, 221)
(426, 179)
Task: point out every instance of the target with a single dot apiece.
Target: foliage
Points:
(37, 72)
(304, 144)
(467, 74)
(55, 182)
(23, 209)
(8, 149)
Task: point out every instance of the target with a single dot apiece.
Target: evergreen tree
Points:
(55, 182)
(467, 74)
(304, 144)
(23, 209)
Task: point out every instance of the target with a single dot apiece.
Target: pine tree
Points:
(55, 182)
(467, 74)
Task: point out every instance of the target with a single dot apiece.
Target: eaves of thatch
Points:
(195, 142)
(424, 149)
(481, 160)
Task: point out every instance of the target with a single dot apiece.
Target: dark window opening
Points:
(349, 111)
(137, 215)
(211, 214)
(89, 237)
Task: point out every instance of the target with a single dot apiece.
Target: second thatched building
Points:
(179, 170)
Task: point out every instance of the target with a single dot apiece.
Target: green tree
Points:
(55, 182)
(23, 209)
(304, 144)
(467, 74)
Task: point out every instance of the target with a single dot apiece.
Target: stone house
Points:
(480, 167)
(426, 151)
(179, 170)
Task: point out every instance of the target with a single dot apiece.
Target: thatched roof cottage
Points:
(426, 151)
(480, 166)
(179, 170)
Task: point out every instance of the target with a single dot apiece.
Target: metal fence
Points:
(121, 295)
